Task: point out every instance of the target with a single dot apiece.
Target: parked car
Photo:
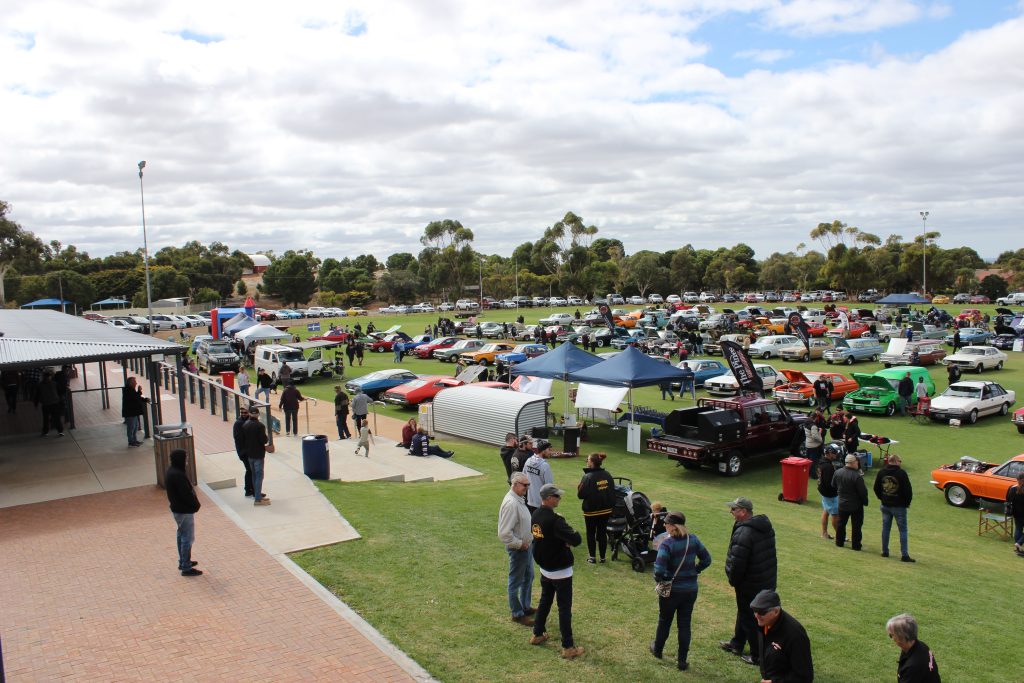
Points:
(1014, 299)
(288, 314)
(977, 358)
(855, 330)
(703, 370)
(445, 306)
(270, 358)
(673, 299)
(849, 351)
(655, 299)
(726, 385)
(898, 353)
(971, 336)
(450, 354)
(197, 320)
(520, 353)
(575, 301)
(714, 348)
(980, 299)
(968, 400)
(815, 349)
(419, 390)
(490, 330)
(121, 324)
(217, 355)
(1018, 419)
(772, 345)
(877, 393)
(409, 347)
(485, 354)
(962, 298)
(388, 342)
(466, 305)
(160, 322)
(940, 299)
(969, 479)
(427, 350)
(799, 387)
(1004, 341)
(356, 310)
(376, 383)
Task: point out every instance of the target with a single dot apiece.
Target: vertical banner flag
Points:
(798, 326)
(844, 322)
(607, 313)
(742, 367)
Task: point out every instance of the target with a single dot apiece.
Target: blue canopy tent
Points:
(112, 301)
(630, 368)
(558, 364)
(901, 299)
(45, 303)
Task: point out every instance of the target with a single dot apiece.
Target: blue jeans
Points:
(688, 387)
(888, 513)
(186, 537)
(257, 477)
(266, 393)
(549, 590)
(679, 605)
(1018, 531)
(132, 427)
(291, 421)
(244, 388)
(520, 580)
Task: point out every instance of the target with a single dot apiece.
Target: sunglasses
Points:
(762, 612)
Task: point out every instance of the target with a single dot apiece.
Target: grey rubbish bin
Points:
(170, 438)
(316, 458)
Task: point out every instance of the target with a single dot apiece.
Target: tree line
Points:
(568, 258)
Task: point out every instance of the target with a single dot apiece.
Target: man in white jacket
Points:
(514, 531)
(539, 472)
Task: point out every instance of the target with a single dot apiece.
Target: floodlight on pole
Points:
(924, 253)
(145, 250)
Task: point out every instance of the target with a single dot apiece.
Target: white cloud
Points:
(764, 56)
(813, 17)
(290, 131)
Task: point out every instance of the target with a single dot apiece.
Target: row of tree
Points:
(568, 258)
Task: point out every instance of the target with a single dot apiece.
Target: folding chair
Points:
(992, 518)
(919, 411)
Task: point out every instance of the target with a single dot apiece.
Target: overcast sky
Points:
(346, 127)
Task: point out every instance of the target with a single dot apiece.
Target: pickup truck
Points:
(724, 433)
(1015, 299)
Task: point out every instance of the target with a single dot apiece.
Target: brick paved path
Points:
(91, 593)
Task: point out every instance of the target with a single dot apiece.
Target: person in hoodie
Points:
(751, 566)
(506, 453)
(184, 506)
(893, 489)
(853, 498)
(597, 491)
(522, 453)
(538, 470)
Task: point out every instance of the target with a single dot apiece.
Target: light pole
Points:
(481, 292)
(145, 250)
(924, 253)
(517, 281)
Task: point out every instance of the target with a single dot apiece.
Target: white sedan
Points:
(967, 401)
(977, 358)
(726, 385)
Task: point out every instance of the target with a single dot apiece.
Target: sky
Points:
(345, 127)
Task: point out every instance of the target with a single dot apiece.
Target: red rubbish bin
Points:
(795, 472)
(228, 379)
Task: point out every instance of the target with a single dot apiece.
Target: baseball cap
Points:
(766, 599)
(542, 444)
(548, 490)
(741, 502)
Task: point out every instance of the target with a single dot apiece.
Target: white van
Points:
(270, 358)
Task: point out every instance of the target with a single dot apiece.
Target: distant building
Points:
(982, 273)
(259, 262)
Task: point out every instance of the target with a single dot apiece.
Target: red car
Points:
(1018, 419)
(334, 336)
(857, 329)
(980, 299)
(386, 344)
(816, 329)
(419, 390)
(426, 351)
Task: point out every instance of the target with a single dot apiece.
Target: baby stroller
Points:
(629, 528)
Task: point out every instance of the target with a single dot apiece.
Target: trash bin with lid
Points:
(316, 459)
(171, 437)
(795, 472)
(571, 440)
(228, 379)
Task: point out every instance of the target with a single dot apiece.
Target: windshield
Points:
(962, 391)
(219, 348)
(415, 384)
(972, 352)
(293, 356)
(465, 343)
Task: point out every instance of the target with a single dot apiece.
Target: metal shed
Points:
(486, 414)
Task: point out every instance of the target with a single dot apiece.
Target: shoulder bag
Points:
(664, 588)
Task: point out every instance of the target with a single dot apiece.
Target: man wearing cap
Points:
(853, 498)
(515, 532)
(751, 566)
(538, 470)
(785, 647)
(521, 454)
(553, 540)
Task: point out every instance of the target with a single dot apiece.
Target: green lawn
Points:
(430, 573)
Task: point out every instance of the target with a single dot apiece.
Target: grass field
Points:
(430, 573)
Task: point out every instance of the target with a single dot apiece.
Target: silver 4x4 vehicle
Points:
(216, 355)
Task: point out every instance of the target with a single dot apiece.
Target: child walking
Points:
(365, 438)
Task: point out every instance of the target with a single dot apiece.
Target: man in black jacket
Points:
(785, 647)
(239, 436)
(892, 488)
(751, 566)
(255, 435)
(917, 662)
(553, 540)
(853, 498)
(507, 451)
(184, 506)
(905, 389)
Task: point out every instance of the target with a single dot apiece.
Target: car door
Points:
(994, 486)
(778, 426)
(992, 397)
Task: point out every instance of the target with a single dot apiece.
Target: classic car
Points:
(408, 347)
(1004, 341)
(800, 386)
(980, 299)
(887, 331)
(1018, 419)
(855, 330)
(726, 385)
(970, 336)
(451, 353)
(632, 337)
(520, 353)
(427, 350)
(572, 336)
(815, 349)
(388, 342)
(380, 381)
(557, 319)
(967, 401)
(940, 299)
(527, 333)
(900, 352)
(977, 358)
(714, 348)
(877, 392)
(924, 331)
(355, 310)
(485, 354)
(970, 478)
(962, 298)
(491, 330)
(772, 345)
(703, 370)
(849, 351)
(419, 390)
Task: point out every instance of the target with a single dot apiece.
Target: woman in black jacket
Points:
(597, 490)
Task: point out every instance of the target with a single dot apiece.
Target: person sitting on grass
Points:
(421, 446)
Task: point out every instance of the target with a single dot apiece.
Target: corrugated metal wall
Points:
(487, 415)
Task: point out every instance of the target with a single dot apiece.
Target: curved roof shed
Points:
(487, 415)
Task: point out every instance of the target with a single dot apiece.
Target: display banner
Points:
(607, 313)
(742, 367)
(798, 326)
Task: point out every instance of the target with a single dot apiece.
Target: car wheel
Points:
(730, 464)
(973, 417)
(766, 355)
(379, 349)
(849, 360)
(978, 368)
(811, 401)
(482, 361)
(888, 365)
(600, 343)
(874, 358)
(999, 365)
(828, 362)
(1020, 429)
(958, 496)
(806, 357)
(1004, 409)
(890, 410)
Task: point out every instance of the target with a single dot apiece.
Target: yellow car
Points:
(941, 299)
(356, 311)
(485, 354)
